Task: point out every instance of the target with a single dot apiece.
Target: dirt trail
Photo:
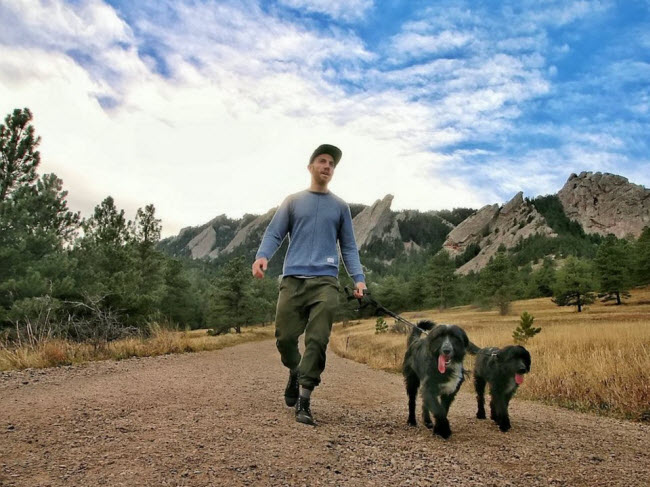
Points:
(218, 418)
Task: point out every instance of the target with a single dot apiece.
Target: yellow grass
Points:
(60, 352)
(597, 360)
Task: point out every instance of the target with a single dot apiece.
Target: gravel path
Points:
(218, 418)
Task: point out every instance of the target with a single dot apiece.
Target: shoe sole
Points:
(304, 420)
(290, 401)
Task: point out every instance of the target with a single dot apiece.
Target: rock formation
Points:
(201, 245)
(492, 227)
(605, 203)
(260, 223)
(376, 222)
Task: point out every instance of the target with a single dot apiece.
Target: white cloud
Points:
(220, 136)
(246, 96)
(54, 24)
(414, 44)
(347, 10)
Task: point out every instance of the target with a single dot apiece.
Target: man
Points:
(315, 220)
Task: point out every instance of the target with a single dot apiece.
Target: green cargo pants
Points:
(305, 306)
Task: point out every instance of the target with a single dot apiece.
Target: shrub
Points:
(381, 326)
(525, 330)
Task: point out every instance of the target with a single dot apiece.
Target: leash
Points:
(372, 301)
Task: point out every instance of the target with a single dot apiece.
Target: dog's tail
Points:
(424, 325)
(473, 349)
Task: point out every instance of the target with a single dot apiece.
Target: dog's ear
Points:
(465, 338)
(527, 360)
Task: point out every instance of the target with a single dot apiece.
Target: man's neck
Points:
(318, 188)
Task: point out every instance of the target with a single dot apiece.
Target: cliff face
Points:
(605, 203)
(247, 231)
(376, 222)
(491, 227)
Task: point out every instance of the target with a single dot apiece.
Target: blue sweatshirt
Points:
(314, 222)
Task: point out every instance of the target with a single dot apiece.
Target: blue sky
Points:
(210, 107)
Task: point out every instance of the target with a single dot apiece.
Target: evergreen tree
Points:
(18, 155)
(525, 330)
(179, 301)
(392, 292)
(543, 279)
(642, 257)
(498, 282)
(234, 303)
(35, 223)
(107, 270)
(418, 292)
(613, 268)
(574, 284)
(441, 280)
(149, 262)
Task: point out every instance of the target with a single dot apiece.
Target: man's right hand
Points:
(259, 266)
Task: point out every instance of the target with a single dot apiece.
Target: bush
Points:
(525, 330)
(381, 326)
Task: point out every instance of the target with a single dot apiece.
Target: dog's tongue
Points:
(519, 379)
(442, 366)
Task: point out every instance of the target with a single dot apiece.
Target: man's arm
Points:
(350, 253)
(273, 237)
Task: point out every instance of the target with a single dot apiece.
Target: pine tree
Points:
(543, 278)
(234, 302)
(498, 282)
(35, 223)
(642, 257)
(18, 155)
(574, 285)
(441, 280)
(381, 326)
(613, 266)
(525, 330)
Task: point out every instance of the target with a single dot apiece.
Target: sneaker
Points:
(292, 389)
(303, 413)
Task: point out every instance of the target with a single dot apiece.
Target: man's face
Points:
(322, 169)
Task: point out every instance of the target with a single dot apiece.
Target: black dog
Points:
(436, 362)
(504, 370)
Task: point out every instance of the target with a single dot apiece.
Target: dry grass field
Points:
(60, 352)
(597, 360)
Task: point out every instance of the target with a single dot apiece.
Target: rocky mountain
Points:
(492, 227)
(605, 203)
(380, 232)
(376, 222)
(600, 203)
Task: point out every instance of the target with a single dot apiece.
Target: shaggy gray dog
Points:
(503, 369)
(434, 361)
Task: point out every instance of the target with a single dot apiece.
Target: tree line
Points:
(570, 280)
(100, 277)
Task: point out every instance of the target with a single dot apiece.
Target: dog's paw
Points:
(442, 430)
(428, 425)
(480, 415)
(504, 426)
(412, 422)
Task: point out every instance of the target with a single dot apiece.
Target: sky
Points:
(214, 107)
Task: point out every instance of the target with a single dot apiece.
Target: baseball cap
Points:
(332, 150)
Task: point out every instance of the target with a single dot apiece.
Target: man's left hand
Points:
(358, 289)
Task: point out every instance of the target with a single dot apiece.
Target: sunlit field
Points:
(597, 360)
(61, 352)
